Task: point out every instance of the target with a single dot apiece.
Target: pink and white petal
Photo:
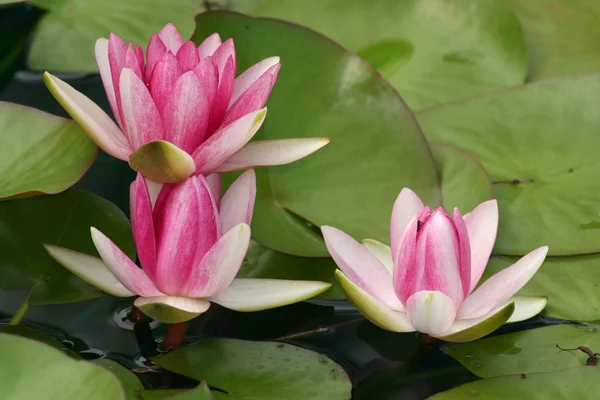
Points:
(249, 76)
(165, 73)
(406, 206)
(482, 225)
(222, 96)
(130, 276)
(503, 285)
(142, 225)
(430, 311)
(101, 52)
(171, 37)
(132, 62)
(226, 142)
(467, 330)
(272, 152)
(222, 55)
(90, 269)
(154, 52)
(171, 309)
(381, 251)
(254, 98)
(187, 56)
(185, 114)
(237, 204)
(214, 183)
(221, 264)
(405, 275)
(154, 189)
(361, 266)
(186, 229)
(373, 309)
(91, 118)
(208, 47)
(140, 115)
(464, 250)
(526, 307)
(249, 294)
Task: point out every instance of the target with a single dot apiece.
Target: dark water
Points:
(382, 365)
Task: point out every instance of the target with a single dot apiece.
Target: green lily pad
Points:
(265, 263)
(259, 370)
(432, 51)
(202, 392)
(325, 91)
(572, 383)
(64, 38)
(26, 332)
(560, 35)
(527, 351)
(571, 284)
(129, 381)
(465, 183)
(33, 370)
(63, 220)
(40, 152)
(539, 144)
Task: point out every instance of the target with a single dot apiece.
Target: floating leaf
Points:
(63, 220)
(539, 144)
(431, 51)
(65, 37)
(324, 91)
(129, 381)
(40, 153)
(259, 370)
(202, 392)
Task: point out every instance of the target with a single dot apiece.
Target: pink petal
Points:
(154, 52)
(222, 97)
(139, 53)
(502, 286)
(237, 204)
(186, 228)
(140, 115)
(207, 73)
(224, 143)
(221, 264)
(406, 276)
(166, 72)
(130, 276)
(116, 59)
(185, 114)
(132, 62)
(101, 52)
(208, 47)
(482, 225)
(214, 184)
(254, 98)
(143, 225)
(430, 312)
(187, 56)
(171, 37)
(222, 55)
(465, 251)
(251, 75)
(406, 206)
(361, 266)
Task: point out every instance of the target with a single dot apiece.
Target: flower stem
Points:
(174, 337)
(136, 316)
(23, 308)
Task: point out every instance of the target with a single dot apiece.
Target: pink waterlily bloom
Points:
(187, 96)
(190, 251)
(427, 280)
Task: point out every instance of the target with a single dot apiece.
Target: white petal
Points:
(237, 204)
(467, 330)
(381, 251)
(262, 294)
(406, 206)
(171, 309)
(482, 225)
(526, 307)
(430, 311)
(90, 269)
(153, 189)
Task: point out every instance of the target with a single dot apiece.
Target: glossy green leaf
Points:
(260, 370)
(129, 381)
(431, 51)
(263, 262)
(26, 332)
(40, 153)
(65, 37)
(465, 183)
(539, 143)
(324, 91)
(63, 220)
(33, 370)
(573, 383)
(560, 35)
(202, 392)
(571, 284)
(526, 351)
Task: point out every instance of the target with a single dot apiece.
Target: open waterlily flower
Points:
(180, 109)
(427, 280)
(190, 251)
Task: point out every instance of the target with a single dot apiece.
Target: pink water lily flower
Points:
(190, 251)
(427, 280)
(180, 109)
